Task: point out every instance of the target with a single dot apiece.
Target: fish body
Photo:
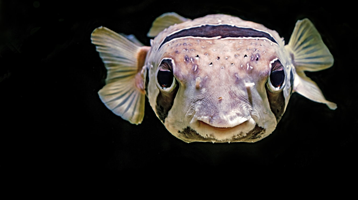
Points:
(212, 79)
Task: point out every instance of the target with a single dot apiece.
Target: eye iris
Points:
(277, 75)
(165, 78)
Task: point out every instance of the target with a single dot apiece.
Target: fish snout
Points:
(223, 113)
(239, 129)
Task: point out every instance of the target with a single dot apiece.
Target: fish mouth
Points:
(217, 128)
(246, 131)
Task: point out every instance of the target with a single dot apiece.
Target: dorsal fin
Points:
(124, 92)
(309, 53)
(164, 21)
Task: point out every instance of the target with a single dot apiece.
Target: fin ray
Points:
(120, 93)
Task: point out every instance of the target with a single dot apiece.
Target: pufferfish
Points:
(216, 79)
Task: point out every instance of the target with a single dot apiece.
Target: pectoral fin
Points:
(309, 53)
(307, 48)
(124, 92)
(309, 89)
(164, 21)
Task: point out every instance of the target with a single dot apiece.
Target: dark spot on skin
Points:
(177, 52)
(210, 64)
(186, 58)
(245, 56)
(255, 57)
(218, 58)
(197, 56)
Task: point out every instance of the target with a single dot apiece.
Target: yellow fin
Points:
(309, 53)
(123, 93)
(309, 89)
(308, 50)
(164, 21)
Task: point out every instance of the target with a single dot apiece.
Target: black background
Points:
(53, 124)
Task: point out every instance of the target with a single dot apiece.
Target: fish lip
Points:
(224, 123)
(236, 132)
(202, 123)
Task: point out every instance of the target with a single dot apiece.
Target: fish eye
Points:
(165, 77)
(277, 76)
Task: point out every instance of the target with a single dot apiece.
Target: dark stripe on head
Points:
(224, 31)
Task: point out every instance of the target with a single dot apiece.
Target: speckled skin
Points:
(222, 94)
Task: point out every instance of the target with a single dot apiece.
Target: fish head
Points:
(219, 90)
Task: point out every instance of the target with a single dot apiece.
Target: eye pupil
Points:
(165, 78)
(277, 78)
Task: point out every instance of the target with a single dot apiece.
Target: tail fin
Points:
(309, 54)
(124, 92)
